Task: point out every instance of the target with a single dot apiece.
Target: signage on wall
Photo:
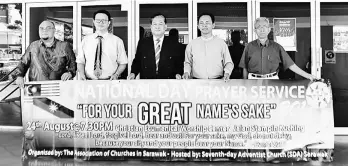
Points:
(340, 39)
(330, 57)
(284, 32)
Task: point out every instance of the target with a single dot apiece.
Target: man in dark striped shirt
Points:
(47, 58)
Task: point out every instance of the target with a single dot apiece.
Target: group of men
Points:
(102, 56)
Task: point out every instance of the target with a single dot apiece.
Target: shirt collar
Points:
(104, 36)
(266, 43)
(207, 39)
(161, 38)
(53, 44)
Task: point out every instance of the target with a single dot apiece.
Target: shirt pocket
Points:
(273, 60)
(110, 52)
(254, 61)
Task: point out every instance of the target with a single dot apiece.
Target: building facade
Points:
(321, 27)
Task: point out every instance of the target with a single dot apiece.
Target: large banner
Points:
(284, 33)
(240, 120)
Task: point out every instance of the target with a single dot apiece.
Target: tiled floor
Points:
(10, 148)
(10, 114)
(11, 144)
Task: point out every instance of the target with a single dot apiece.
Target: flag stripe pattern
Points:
(50, 89)
(32, 91)
(53, 107)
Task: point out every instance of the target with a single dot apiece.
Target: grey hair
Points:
(261, 19)
(54, 26)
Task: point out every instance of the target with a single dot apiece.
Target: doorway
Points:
(333, 51)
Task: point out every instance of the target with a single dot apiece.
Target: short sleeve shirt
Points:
(265, 59)
(113, 54)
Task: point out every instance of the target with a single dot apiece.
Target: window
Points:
(10, 37)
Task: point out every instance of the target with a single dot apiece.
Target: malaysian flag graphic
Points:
(53, 107)
(40, 90)
(38, 95)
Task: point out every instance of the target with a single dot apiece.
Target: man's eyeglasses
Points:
(101, 21)
(260, 27)
(46, 29)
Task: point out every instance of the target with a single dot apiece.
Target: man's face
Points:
(205, 24)
(262, 29)
(158, 26)
(46, 30)
(101, 22)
